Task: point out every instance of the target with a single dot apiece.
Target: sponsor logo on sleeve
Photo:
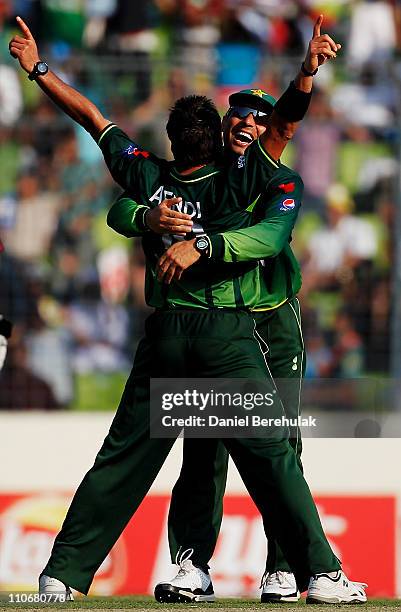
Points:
(287, 204)
(133, 149)
(287, 187)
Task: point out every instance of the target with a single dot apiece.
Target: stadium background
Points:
(75, 290)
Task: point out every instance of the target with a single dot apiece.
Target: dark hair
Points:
(194, 129)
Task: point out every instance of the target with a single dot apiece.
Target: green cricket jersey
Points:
(253, 191)
(268, 239)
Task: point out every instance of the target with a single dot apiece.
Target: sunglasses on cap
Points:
(243, 111)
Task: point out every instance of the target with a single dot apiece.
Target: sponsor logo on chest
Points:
(241, 161)
(185, 206)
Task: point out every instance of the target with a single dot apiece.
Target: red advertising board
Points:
(362, 531)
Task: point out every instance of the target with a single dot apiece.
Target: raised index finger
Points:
(317, 26)
(24, 28)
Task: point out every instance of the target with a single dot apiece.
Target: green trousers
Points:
(196, 507)
(179, 344)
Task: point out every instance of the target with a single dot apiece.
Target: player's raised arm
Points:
(74, 104)
(124, 158)
(291, 108)
(321, 48)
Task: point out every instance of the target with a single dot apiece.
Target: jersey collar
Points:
(194, 177)
(275, 163)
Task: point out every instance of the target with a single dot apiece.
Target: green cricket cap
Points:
(253, 98)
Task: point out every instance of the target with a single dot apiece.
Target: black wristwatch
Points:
(39, 69)
(306, 72)
(202, 245)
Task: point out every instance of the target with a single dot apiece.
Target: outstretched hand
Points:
(164, 220)
(321, 48)
(23, 48)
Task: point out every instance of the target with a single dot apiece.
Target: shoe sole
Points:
(277, 598)
(333, 600)
(171, 594)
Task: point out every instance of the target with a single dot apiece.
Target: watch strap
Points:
(306, 72)
(35, 72)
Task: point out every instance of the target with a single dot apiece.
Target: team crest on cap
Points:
(287, 204)
(258, 92)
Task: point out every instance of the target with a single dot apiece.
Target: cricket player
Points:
(203, 484)
(196, 506)
(197, 502)
(186, 335)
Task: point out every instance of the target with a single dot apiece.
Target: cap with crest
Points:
(253, 98)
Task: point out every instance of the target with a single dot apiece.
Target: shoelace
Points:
(180, 559)
(269, 578)
(361, 584)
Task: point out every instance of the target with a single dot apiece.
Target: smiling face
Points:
(240, 132)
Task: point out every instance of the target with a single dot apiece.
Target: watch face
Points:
(202, 243)
(42, 68)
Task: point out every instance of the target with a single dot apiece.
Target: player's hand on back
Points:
(320, 49)
(164, 220)
(24, 47)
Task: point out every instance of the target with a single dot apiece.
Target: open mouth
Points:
(243, 137)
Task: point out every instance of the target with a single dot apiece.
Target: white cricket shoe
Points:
(191, 584)
(279, 587)
(52, 586)
(335, 588)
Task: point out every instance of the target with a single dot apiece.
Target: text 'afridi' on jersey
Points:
(218, 199)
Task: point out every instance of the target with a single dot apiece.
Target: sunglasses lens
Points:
(244, 111)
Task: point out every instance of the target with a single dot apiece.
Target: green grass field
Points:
(232, 605)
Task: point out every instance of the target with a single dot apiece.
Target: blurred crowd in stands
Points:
(74, 289)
